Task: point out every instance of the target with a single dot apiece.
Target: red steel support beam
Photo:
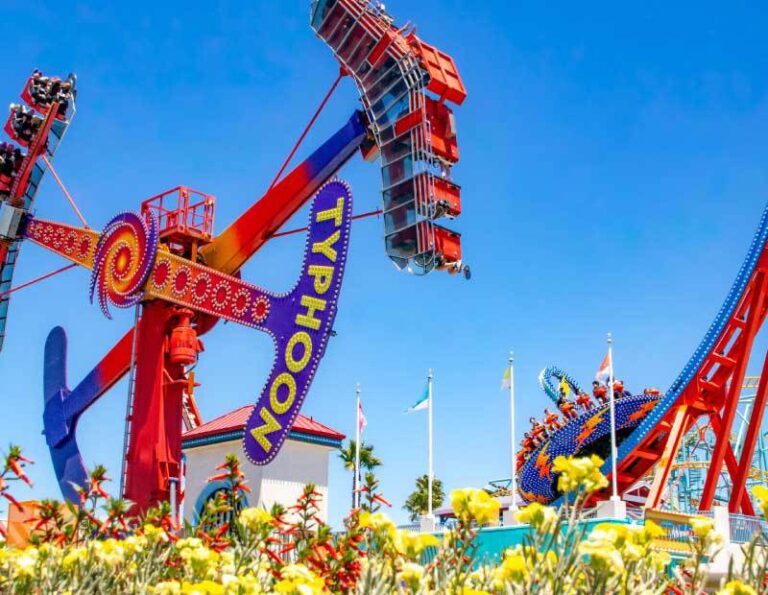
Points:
(750, 440)
(722, 440)
(730, 464)
(676, 434)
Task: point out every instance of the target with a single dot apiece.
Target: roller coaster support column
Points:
(680, 425)
(740, 358)
(753, 431)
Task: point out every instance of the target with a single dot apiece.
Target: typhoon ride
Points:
(182, 279)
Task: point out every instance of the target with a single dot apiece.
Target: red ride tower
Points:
(164, 346)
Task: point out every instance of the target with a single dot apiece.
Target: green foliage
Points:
(416, 503)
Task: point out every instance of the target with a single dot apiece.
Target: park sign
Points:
(300, 323)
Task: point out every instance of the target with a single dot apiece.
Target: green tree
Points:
(368, 462)
(416, 504)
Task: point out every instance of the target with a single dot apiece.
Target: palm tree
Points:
(368, 461)
(416, 504)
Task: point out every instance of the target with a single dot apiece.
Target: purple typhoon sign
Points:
(300, 323)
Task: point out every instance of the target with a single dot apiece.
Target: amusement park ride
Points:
(652, 428)
(182, 279)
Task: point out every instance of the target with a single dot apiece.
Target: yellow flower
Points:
(74, 557)
(241, 585)
(297, 578)
(412, 544)
(166, 588)
(760, 493)
(702, 526)
(377, 521)
(203, 588)
(25, 562)
(538, 516)
(155, 534)
(579, 473)
(255, 518)
(513, 569)
(411, 574)
(189, 542)
(737, 588)
(600, 546)
(201, 561)
(471, 504)
(109, 552)
(134, 544)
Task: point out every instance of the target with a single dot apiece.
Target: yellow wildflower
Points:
(74, 557)
(155, 534)
(241, 585)
(412, 544)
(760, 493)
(297, 578)
(166, 588)
(133, 544)
(377, 521)
(702, 526)
(411, 574)
(538, 516)
(24, 562)
(255, 518)
(109, 552)
(203, 588)
(200, 560)
(579, 473)
(513, 569)
(600, 546)
(737, 588)
(471, 504)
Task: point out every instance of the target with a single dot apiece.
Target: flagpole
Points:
(513, 439)
(615, 491)
(429, 447)
(357, 446)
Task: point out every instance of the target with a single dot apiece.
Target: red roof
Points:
(235, 420)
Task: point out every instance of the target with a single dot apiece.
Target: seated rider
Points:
(600, 392)
(520, 460)
(618, 389)
(527, 444)
(45, 90)
(584, 401)
(38, 88)
(538, 431)
(566, 407)
(11, 159)
(551, 420)
(24, 124)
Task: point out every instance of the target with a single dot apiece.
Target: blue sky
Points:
(613, 171)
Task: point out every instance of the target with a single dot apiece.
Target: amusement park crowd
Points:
(23, 124)
(542, 429)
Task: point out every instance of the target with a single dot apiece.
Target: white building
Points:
(303, 459)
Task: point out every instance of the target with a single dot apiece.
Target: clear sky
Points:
(613, 170)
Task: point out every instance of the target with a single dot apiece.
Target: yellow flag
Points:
(506, 380)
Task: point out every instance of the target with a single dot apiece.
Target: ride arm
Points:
(231, 249)
(63, 408)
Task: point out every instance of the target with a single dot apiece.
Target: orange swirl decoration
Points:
(123, 261)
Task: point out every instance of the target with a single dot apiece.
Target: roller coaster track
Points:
(547, 377)
(709, 385)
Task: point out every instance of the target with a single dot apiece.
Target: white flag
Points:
(604, 371)
(361, 420)
(422, 403)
